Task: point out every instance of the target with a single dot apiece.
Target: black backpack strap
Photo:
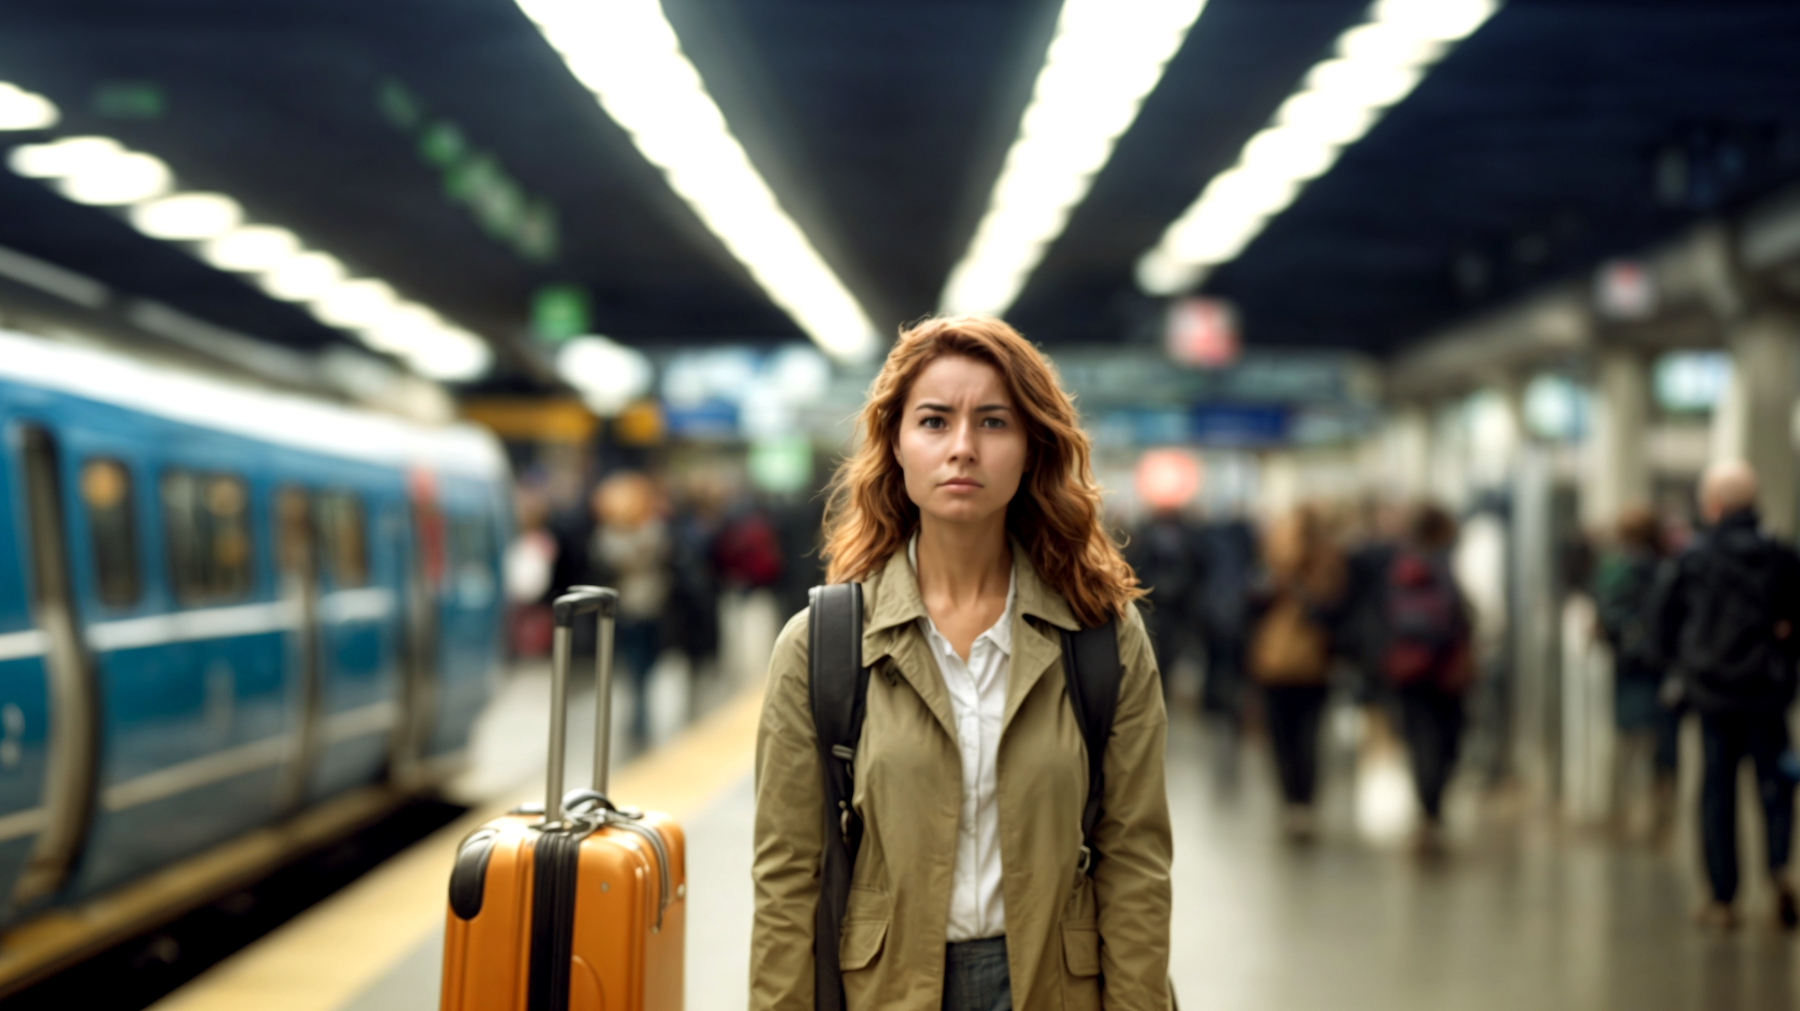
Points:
(838, 683)
(1091, 667)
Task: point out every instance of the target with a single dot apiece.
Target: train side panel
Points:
(468, 610)
(199, 709)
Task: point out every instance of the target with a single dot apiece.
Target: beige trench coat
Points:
(1074, 941)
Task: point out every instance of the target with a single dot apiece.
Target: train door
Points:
(197, 719)
(48, 736)
(469, 622)
(360, 686)
(297, 588)
(424, 572)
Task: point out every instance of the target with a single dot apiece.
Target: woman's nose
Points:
(962, 445)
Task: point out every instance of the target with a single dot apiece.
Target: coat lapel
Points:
(1037, 648)
(892, 609)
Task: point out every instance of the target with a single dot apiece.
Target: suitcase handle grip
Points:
(604, 604)
(581, 600)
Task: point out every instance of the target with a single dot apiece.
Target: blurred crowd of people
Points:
(1366, 599)
(675, 550)
(1366, 603)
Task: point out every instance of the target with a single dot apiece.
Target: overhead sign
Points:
(1624, 290)
(559, 311)
(1202, 332)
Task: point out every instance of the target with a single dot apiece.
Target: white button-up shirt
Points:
(978, 703)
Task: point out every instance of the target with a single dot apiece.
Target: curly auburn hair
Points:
(1055, 515)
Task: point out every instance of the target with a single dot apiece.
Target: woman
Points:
(971, 517)
(1290, 653)
(1645, 727)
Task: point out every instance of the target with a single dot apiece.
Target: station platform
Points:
(1518, 914)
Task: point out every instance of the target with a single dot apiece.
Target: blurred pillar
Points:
(1495, 430)
(1409, 452)
(1616, 474)
(1449, 480)
(1755, 421)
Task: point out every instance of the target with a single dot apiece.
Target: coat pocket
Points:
(860, 942)
(1081, 950)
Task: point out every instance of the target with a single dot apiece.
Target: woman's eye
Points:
(993, 423)
(932, 421)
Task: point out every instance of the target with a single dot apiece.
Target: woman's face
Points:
(961, 442)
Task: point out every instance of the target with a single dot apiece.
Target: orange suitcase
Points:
(580, 904)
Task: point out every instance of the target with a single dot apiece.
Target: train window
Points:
(293, 533)
(106, 492)
(471, 546)
(343, 540)
(208, 525)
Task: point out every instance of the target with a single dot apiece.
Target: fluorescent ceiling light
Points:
(124, 179)
(190, 216)
(251, 249)
(607, 374)
(627, 54)
(25, 110)
(304, 277)
(1104, 59)
(1373, 66)
(355, 304)
(98, 170)
(451, 355)
(60, 159)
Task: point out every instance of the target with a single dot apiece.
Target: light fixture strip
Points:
(102, 172)
(1374, 65)
(627, 54)
(1103, 60)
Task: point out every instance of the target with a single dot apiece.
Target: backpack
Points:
(1622, 592)
(748, 552)
(839, 684)
(1734, 653)
(1423, 618)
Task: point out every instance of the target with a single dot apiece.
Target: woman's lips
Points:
(962, 482)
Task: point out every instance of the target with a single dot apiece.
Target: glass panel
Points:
(207, 519)
(106, 492)
(292, 533)
(342, 537)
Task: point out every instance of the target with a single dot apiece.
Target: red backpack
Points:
(748, 553)
(1426, 631)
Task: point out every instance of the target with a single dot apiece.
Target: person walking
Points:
(631, 546)
(1165, 553)
(971, 517)
(1647, 729)
(1227, 569)
(1426, 660)
(1725, 620)
(1290, 653)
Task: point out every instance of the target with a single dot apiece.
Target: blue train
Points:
(221, 608)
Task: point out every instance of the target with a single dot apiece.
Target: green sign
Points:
(474, 178)
(130, 100)
(560, 311)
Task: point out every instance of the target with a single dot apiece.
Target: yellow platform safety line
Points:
(326, 956)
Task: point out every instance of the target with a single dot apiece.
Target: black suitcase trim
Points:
(468, 882)
(555, 861)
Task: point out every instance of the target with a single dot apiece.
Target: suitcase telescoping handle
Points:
(604, 604)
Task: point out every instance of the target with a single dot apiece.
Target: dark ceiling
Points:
(1561, 133)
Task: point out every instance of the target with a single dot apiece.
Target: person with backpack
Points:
(1724, 618)
(960, 798)
(1623, 582)
(1426, 659)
